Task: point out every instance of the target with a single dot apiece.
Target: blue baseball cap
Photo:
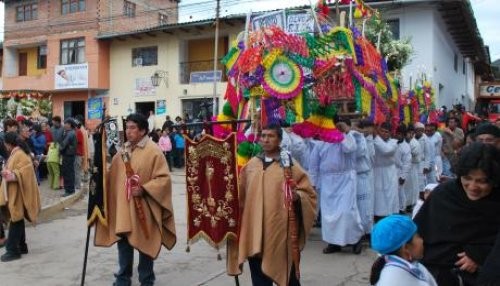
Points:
(391, 233)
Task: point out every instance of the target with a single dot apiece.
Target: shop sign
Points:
(161, 107)
(94, 107)
(205, 76)
(489, 90)
(144, 87)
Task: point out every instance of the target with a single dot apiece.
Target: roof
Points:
(457, 15)
(175, 26)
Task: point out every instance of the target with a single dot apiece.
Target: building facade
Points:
(447, 46)
(51, 47)
(183, 57)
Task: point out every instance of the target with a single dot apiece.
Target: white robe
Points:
(403, 164)
(332, 169)
(365, 153)
(425, 161)
(385, 176)
(398, 272)
(294, 144)
(436, 140)
(412, 184)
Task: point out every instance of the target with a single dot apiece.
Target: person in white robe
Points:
(332, 170)
(403, 164)
(295, 145)
(437, 143)
(365, 153)
(412, 184)
(385, 173)
(426, 162)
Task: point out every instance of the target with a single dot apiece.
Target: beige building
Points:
(181, 56)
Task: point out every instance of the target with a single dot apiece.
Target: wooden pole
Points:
(216, 48)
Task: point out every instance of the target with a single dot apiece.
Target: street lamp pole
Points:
(214, 105)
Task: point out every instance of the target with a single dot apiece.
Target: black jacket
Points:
(450, 223)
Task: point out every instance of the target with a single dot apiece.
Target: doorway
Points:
(145, 107)
(23, 64)
(74, 108)
(200, 108)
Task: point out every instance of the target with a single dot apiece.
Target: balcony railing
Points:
(186, 68)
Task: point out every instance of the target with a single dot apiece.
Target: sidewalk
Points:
(52, 200)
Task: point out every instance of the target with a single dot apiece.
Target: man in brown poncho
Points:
(19, 195)
(265, 237)
(126, 225)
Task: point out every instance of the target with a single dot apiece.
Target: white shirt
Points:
(399, 272)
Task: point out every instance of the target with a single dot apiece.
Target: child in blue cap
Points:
(396, 239)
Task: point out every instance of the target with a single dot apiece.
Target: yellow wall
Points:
(123, 76)
(32, 62)
(203, 49)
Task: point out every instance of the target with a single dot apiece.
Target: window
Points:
(72, 6)
(464, 67)
(27, 12)
(394, 28)
(73, 51)
(128, 9)
(41, 57)
(455, 63)
(163, 20)
(147, 56)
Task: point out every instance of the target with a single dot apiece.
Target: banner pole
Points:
(84, 271)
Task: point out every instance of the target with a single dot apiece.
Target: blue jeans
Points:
(260, 279)
(126, 262)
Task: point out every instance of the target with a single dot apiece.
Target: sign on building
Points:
(161, 107)
(268, 20)
(488, 90)
(205, 76)
(71, 76)
(144, 87)
(94, 107)
(299, 22)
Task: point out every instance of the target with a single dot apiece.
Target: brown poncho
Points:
(264, 219)
(23, 195)
(149, 163)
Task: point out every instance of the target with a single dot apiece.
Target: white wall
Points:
(456, 83)
(434, 51)
(416, 23)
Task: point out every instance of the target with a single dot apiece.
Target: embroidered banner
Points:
(212, 189)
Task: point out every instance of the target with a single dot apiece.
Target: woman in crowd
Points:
(460, 220)
(396, 239)
(39, 143)
(166, 147)
(20, 196)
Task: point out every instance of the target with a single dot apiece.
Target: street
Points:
(56, 249)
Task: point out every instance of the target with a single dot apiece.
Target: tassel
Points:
(188, 249)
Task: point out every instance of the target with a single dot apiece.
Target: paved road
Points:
(56, 255)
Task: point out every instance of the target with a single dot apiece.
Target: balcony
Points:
(39, 82)
(187, 68)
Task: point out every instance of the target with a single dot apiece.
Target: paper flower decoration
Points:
(284, 78)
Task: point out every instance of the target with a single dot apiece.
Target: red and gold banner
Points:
(212, 189)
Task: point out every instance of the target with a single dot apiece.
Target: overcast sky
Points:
(487, 14)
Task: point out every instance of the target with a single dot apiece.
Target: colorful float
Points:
(306, 79)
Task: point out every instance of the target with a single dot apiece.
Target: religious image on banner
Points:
(212, 190)
(105, 140)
